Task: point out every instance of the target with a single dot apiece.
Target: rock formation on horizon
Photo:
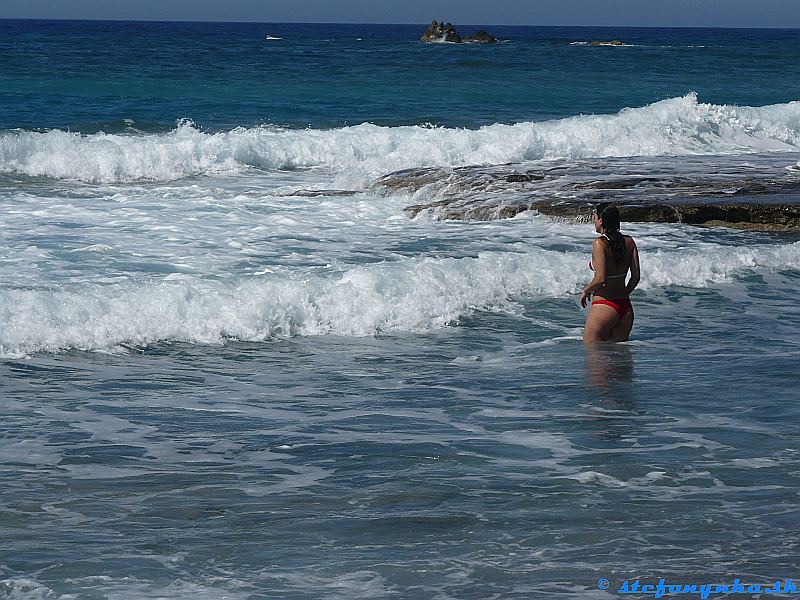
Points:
(441, 32)
(480, 37)
(445, 32)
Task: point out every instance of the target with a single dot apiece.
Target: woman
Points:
(613, 254)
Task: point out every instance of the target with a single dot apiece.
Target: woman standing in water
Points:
(613, 255)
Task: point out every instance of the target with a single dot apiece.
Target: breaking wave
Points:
(677, 126)
(411, 295)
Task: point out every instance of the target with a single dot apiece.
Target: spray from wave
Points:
(677, 126)
(411, 295)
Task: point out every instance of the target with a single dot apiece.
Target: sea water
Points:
(233, 366)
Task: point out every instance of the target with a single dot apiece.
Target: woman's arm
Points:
(599, 264)
(634, 280)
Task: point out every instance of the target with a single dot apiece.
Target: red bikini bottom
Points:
(621, 305)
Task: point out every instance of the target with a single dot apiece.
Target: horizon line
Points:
(83, 20)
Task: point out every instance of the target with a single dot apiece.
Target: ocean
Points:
(233, 366)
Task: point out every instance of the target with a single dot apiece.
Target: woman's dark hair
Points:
(609, 213)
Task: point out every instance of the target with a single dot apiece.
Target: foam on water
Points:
(126, 588)
(412, 294)
(23, 588)
(358, 154)
(434, 426)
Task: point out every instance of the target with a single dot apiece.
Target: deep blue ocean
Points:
(232, 365)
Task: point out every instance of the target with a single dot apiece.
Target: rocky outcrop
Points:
(570, 192)
(441, 32)
(752, 215)
(480, 37)
(445, 32)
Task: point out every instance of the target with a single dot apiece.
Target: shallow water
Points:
(493, 458)
(221, 376)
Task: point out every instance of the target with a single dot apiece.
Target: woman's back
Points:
(613, 256)
(616, 271)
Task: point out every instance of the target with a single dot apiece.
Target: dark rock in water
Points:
(523, 177)
(316, 193)
(480, 37)
(445, 32)
(752, 216)
(409, 180)
(569, 190)
(618, 184)
(756, 216)
(441, 32)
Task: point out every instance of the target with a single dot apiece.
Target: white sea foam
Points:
(702, 266)
(22, 588)
(412, 294)
(677, 126)
(609, 44)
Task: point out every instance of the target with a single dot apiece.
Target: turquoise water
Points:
(88, 76)
(232, 366)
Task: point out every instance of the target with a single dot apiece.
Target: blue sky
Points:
(648, 13)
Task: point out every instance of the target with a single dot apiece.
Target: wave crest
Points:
(676, 126)
(412, 295)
